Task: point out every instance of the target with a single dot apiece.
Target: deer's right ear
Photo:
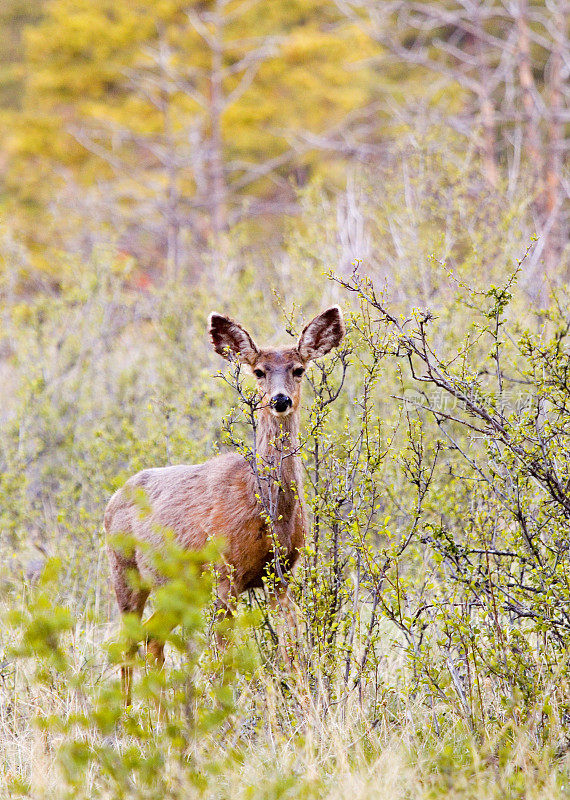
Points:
(321, 334)
(230, 340)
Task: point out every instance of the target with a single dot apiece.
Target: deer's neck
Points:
(278, 448)
(280, 478)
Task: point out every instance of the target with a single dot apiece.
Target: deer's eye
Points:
(298, 371)
(259, 373)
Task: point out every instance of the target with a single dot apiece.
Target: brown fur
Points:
(218, 498)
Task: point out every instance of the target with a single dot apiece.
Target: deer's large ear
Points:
(230, 340)
(322, 334)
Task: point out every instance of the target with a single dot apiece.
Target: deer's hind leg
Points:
(131, 647)
(131, 599)
(155, 649)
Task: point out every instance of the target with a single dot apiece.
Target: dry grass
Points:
(281, 741)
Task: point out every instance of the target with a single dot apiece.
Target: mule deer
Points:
(221, 497)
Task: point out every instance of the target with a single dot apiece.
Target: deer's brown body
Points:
(198, 502)
(219, 498)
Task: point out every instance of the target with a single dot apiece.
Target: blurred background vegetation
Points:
(161, 159)
(177, 128)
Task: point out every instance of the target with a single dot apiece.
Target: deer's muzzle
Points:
(280, 402)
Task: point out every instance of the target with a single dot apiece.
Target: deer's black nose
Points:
(281, 402)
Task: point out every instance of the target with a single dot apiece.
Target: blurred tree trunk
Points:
(556, 145)
(218, 178)
(529, 93)
(181, 163)
(487, 107)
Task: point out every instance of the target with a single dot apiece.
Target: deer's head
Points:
(278, 371)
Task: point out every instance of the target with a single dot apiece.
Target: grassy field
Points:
(279, 741)
(432, 598)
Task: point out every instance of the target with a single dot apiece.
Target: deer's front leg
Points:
(288, 633)
(225, 608)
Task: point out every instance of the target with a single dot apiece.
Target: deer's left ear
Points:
(322, 334)
(230, 340)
